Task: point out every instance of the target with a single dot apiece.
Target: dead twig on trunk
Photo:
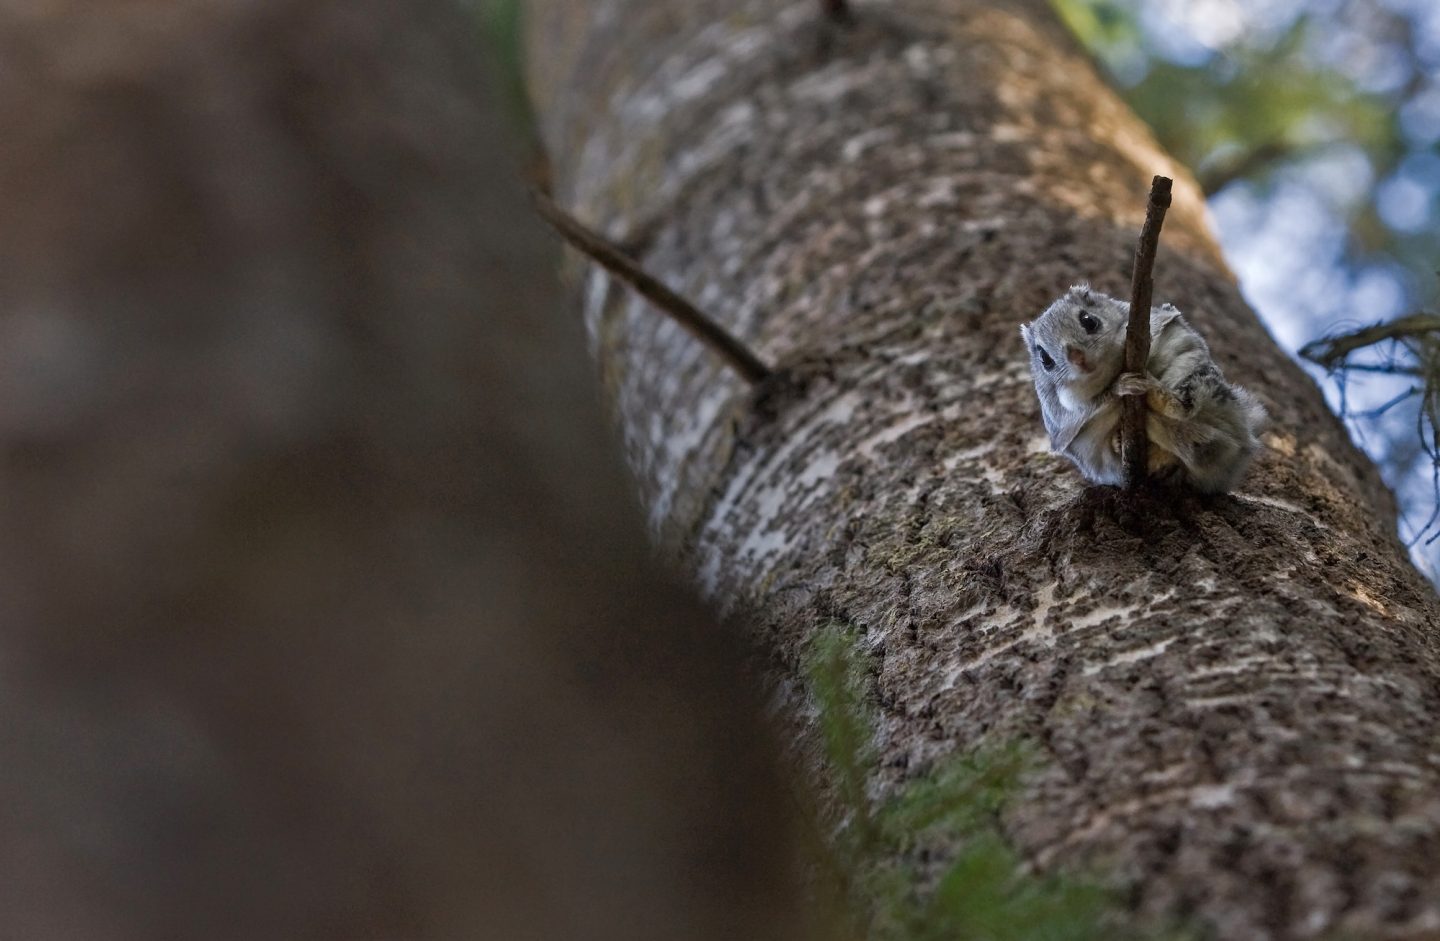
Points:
(606, 254)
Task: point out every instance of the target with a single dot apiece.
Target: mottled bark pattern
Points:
(1238, 696)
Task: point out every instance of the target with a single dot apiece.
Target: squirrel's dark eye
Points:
(1089, 321)
(1045, 359)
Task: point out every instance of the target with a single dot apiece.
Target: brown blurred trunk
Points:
(327, 611)
(1238, 697)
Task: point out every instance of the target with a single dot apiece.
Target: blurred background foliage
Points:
(500, 24)
(1314, 128)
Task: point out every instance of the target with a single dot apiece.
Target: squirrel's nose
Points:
(1077, 358)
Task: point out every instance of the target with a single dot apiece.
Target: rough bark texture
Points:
(1239, 696)
(325, 610)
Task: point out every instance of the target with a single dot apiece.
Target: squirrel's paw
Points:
(1133, 383)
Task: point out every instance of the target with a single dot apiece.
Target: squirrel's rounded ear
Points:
(1082, 289)
(1162, 315)
(1025, 335)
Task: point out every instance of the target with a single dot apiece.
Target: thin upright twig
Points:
(1134, 445)
(605, 253)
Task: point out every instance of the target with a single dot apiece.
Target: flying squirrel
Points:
(1200, 426)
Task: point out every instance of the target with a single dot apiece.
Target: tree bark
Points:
(327, 610)
(1237, 697)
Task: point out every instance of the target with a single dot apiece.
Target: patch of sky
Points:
(1420, 117)
(1188, 32)
(1285, 245)
(1404, 202)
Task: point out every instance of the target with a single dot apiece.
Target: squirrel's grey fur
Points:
(1199, 426)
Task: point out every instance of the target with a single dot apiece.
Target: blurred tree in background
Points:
(1314, 126)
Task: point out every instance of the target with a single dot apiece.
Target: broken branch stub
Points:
(609, 256)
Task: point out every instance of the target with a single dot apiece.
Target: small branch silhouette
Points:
(1134, 445)
(606, 254)
(1412, 330)
(1407, 346)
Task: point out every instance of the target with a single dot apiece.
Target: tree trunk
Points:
(1237, 697)
(327, 611)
